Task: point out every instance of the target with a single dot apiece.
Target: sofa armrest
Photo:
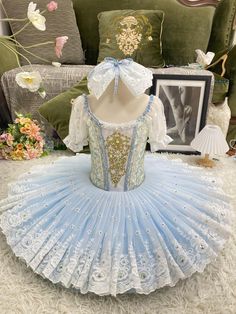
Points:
(8, 59)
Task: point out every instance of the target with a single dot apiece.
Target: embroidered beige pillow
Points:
(59, 23)
(132, 34)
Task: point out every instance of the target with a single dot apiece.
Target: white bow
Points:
(135, 76)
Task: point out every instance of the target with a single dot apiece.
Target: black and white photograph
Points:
(185, 99)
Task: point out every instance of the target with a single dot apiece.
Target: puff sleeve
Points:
(78, 129)
(158, 138)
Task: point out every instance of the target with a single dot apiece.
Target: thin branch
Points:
(13, 19)
(3, 8)
(34, 55)
(39, 44)
(13, 51)
(12, 39)
(18, 53)
(27, 51)
(27, 47)
(20, 30)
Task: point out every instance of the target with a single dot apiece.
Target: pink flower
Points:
(10, 139)
(32, 153)
(39, 145)
(5, 153)
(38, 137)
(26, 155)
(28, 146)
(32, 130)
(3, 137)
(52, 6)
(60, 42)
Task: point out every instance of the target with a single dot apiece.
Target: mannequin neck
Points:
(120, 107)
(122, 95)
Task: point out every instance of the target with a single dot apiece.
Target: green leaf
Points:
(44, 154)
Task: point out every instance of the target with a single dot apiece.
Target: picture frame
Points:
(185, 98)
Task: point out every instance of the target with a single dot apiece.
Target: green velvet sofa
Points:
(208, 25)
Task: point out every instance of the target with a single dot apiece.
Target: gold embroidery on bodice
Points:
(118, 146)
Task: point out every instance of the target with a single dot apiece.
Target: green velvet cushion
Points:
(184, 30)
(132, 34)
(231, 132)
(231, 75)
(61, 22)
(221, 89)
(218, 62)
(222, 34)
(8, 60)
(57, 110)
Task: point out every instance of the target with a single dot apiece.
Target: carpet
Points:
(212, 292)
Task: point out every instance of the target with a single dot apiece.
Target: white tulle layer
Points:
(73, 233)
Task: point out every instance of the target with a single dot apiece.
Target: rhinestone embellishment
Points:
(118, 146)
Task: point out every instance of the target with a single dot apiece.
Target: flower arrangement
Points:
(22, 140)
(33, 80)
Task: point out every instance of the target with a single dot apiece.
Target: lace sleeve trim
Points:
(78, 133)
(158, 138)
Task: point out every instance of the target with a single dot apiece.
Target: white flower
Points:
(29, 80)
(204, 59)
(35, 17)
(56, 64)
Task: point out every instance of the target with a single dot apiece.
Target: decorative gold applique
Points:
(118, 146)
(129, 38)
(132, 32)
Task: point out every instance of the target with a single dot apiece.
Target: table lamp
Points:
(210, 141)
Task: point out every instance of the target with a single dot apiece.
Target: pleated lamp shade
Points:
(210, 141)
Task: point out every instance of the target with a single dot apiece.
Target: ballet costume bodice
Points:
(117, 150)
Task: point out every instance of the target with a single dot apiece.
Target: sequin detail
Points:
(118, 146)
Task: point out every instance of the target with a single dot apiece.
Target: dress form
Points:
(94, 222)
(120, 107)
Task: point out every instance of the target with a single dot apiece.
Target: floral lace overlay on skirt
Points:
(73, 233)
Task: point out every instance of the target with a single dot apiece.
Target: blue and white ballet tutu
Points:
(108, 242)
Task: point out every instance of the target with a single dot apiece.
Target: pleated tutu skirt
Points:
(73, 233)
